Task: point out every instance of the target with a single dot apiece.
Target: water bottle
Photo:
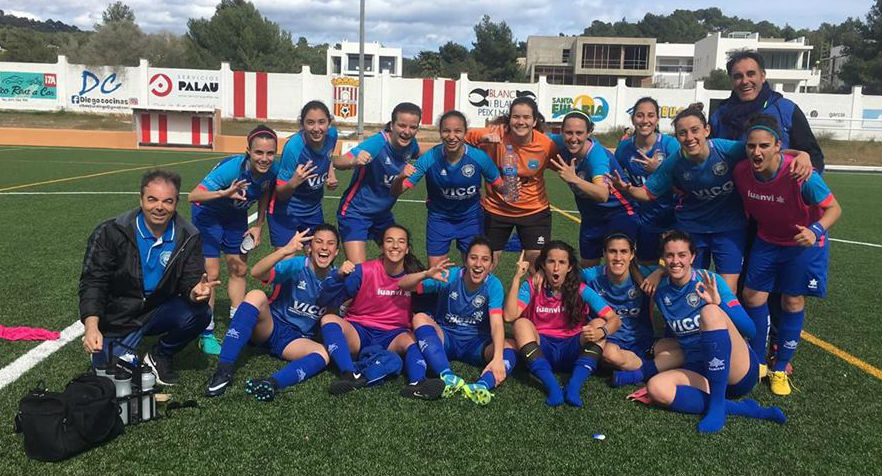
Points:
(510, 175)
(148, 398)
(123, 386)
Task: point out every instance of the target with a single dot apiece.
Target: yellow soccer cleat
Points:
(779, 382)
(763, 371)
(477, 393)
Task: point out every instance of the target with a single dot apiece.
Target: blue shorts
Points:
(740, 388)
(639, 346)
(373, 336)
(440, 232)
(282, 335)
(561, 352)
(353, 228)
(220, 232)
(283, 225)
(648, 243)
(726, 248)
(465, 345)
(793, 270)
(593, 232)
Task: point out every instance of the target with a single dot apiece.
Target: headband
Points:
(767, 129)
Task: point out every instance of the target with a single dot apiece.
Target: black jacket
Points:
(111, 285)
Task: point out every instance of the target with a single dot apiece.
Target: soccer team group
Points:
(742, 191)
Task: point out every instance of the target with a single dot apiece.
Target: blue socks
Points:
(432, 348)
(789, 329)
(717, 349)
(760, 317)
(542, 370)
(634, 377)
(414, 364)
(239, 332)
(692, 400)
(509, 359)
(338, 348)
(582, 369)
(298, 370)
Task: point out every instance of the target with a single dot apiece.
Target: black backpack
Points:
(57, 426)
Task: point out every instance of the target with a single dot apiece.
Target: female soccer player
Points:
(708, 206)
(220, 212)
(708, 322)
(639, 156)
(366, 208)
(530, 214)
(303, 171)
(584, 164)
(551, 327)
(286, 322)
(379, 315)
(467, 324)
(453, 172)
(628, 347)
(791, 252)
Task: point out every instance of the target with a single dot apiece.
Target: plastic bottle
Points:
(148, 398)
(123, 392)
(510, 175)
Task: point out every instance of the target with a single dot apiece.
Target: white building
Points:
(788, 62)
(673, 65)
(342, 60)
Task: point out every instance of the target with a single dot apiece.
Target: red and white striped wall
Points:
(249, 94)
(439, 96)
(175, 129)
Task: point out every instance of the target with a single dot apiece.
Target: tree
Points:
(118, 40)
(496, 51)
(864, 64)
(237, 33)
(116, 12)
(27, 46)
(717, 79)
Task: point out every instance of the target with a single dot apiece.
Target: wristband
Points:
(817, 229)
(604, 330)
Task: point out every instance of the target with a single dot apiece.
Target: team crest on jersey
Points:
(454, 295)
(164, 257)
(479, 301)
(687, 175)
(692, 299)
(720, 168)
(301, 284)
(468, 170)
(632, 293)
(533, 164)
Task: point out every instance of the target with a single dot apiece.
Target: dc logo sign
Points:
(160, 85)
(164, 257)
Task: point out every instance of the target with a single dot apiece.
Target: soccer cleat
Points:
(477, 393)
(452, 384)
(763, 371)
(209, 344)
(263, 390)
(218, 384)
(162, 367)
(347, 382)
(779, 382)
(426, 389)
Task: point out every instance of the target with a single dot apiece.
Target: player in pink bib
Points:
(379, 315)
(791, 252)
(551, 327)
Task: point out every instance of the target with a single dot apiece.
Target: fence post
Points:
(857, 109)
(61, 82)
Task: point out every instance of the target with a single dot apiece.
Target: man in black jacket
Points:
(144, 274)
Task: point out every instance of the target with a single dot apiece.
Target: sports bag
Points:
(57, 426)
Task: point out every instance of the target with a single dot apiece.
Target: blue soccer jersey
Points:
(223, 175)
(627, 299)
(681, 308)
(454, 191)
(306, 199)
(463, 310)
(595, 164)
(370, 192)
(657, 215)
(295, 293)
(707, 201)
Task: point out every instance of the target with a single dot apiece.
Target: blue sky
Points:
(417, 25)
